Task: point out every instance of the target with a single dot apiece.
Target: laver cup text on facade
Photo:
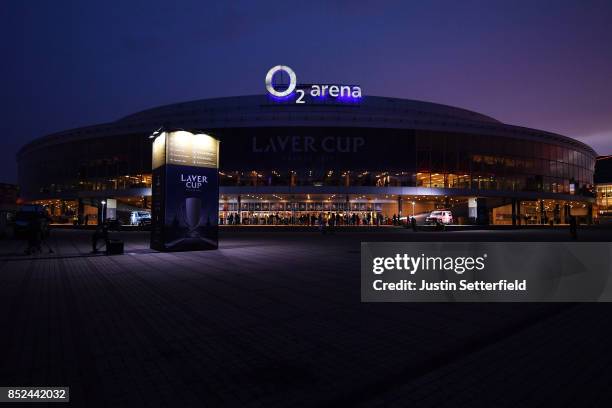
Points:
(185, 191)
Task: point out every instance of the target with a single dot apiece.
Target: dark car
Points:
(26, 215)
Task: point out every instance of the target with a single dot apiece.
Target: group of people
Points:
(232, 219)
(308, 219)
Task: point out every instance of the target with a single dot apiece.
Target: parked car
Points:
(140, 218)
(7, 221)
(26, 215)
(441, 216)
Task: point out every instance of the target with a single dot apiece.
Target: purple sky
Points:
(65, 64)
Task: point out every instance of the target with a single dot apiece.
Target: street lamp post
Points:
(103, 202)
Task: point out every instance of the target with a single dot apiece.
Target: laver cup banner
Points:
(486, 272)
(185, 191)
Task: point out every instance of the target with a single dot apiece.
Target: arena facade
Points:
(367, 160)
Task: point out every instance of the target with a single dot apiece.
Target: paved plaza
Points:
(274, 319)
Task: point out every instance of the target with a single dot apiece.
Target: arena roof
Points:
(261, 111)
(367, 106)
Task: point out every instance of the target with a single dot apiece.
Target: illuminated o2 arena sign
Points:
(302, 93)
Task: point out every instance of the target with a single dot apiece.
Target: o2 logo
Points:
(270, 85)
(340, 93)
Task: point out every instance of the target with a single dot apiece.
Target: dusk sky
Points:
(541, 64)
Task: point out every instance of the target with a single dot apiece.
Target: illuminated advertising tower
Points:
(185, 191)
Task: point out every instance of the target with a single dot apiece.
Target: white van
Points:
(140, 218)
(442, 216)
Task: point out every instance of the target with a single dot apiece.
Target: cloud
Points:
(601, 141)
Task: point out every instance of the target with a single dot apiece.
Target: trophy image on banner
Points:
(192, 214)
(189, 228)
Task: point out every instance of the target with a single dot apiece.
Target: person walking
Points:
(33, 236)
(573, 226)
(43, 233)
(413, 224)
(101, 232)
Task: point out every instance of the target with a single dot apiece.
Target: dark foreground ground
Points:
(274, 319)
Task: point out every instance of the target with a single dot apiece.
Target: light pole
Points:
(413, 203)
(103, 202)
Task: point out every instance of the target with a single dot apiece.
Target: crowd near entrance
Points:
(304, 218)
(308, 213)
(309, 210)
